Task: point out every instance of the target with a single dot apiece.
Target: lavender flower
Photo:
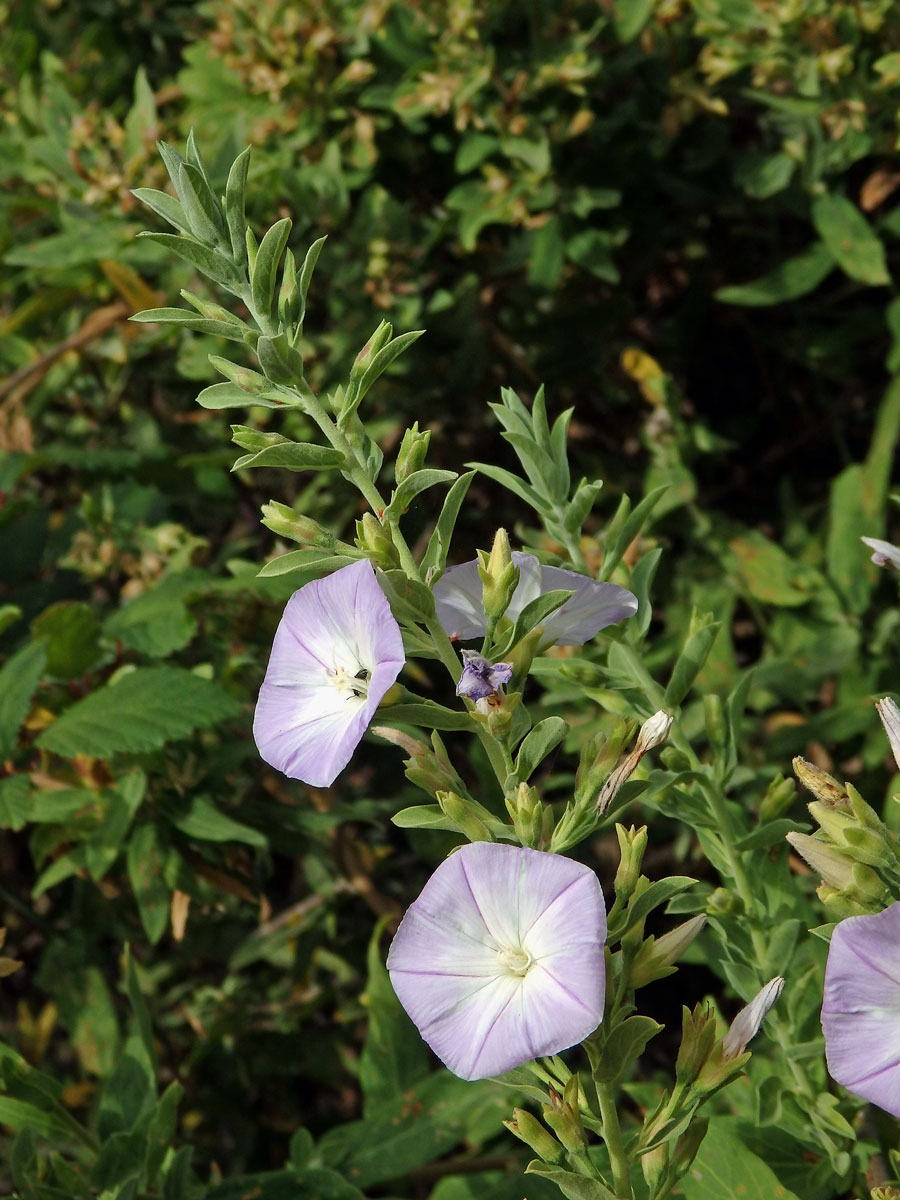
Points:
(500, 959)
(481, 678)
(336, 652)
(886, 553)
(460, 609)
(861, 1009)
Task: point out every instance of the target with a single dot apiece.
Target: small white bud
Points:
(654, 732)
(746, 1024)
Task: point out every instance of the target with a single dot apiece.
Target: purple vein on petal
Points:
(562, 987)
(442, 1016)
(493, 1025)
(874, 966)
(550, 904)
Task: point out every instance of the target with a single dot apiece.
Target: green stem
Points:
(612, 1136)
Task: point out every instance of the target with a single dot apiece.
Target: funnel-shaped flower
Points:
(594, 605)
(501, 957)
(861, 1009)
(336, 652)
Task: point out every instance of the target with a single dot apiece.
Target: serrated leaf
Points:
(850, 239)
(18, 682)
(293, 456)
(141, 711)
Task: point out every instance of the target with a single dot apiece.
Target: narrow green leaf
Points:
(227, 395)
(435, 557)
(383, 360)
(164, 206)
(144, 1026)
(306, 273)
(264, 275)
(425, 713)
(313, 562)
(533, 614)
(146, 859)
(690, 664)
(545, 736)
(512, 483)
(572, 1186)
(173, 161)
(423, 816)
(202, 258)
(630, 528)
(141, 711)
(235, 196)
(190, 320)
(18, 682)
(850, 239)
(293, 456)
(793, 278)
(406, 491)
(200, 206)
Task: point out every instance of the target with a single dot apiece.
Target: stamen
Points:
(516, 961)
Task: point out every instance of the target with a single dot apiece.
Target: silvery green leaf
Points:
(200, 206)
(412, 485)
(190, 320)
(235, 193)
(292, 456)
(312, 563)
(173, 161)
(306, 273)
(435, 557)
(163, 205)
(207, 261)
(227, 395)
(279, 360)
(265, 269)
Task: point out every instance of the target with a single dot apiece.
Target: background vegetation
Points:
(681, 217)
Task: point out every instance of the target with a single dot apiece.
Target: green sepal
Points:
(375, 369)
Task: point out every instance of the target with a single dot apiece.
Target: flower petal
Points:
(458, 601)
(886, 554)
(861, 1008)
(306, 723)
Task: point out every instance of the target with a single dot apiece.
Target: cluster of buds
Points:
(854, 852)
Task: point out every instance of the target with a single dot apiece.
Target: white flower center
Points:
(515, 960)
(353, 685)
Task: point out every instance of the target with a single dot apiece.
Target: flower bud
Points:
(529, 1130)
(779, 797)
(834, 866)
(599, 755)
(698, 1036)
(723, 903)
(527, 814)
(466, 815)
(632, 844)
(654, 731)
(746, 1024)
(655, 1165)
(564, 1118)
(290, 302)
(242, 377)
(822, 785)
(499, 577)
(255, 439)
(412, 452)
(373, 538)
(657, 956)
(285, 522)
(376, 342)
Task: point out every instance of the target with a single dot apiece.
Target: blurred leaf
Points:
(631, 16)
(203, 820)
(18, 681)
(725, 1169)
(310, 1183)
(850, 239)
(793, 278)
(15, 801)
(142, 710)
(146, 859)
(768, 573)
(394, 1057)
(71, 633)
(157, 622)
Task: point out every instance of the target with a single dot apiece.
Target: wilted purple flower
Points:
(501, 957)
(336, 652)
(458, 601)
(861, 1009)
(886, 554)
(481, 678)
